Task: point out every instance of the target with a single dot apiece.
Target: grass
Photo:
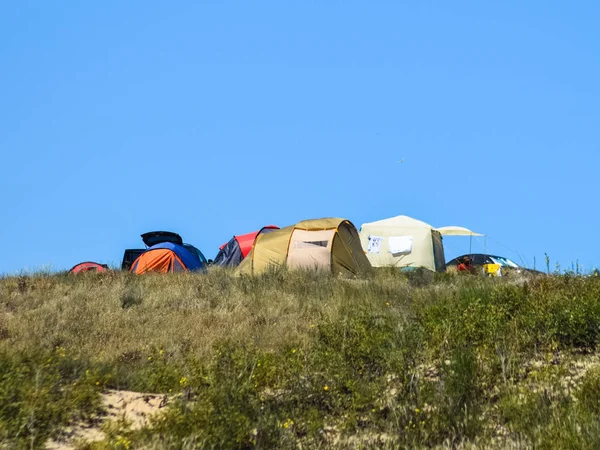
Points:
(289, 358)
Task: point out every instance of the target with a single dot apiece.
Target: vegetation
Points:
(398, 360)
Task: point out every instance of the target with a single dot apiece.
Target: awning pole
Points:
(470, 244)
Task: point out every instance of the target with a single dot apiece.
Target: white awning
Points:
(457, 231)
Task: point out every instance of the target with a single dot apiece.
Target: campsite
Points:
(316, 334)
(326, 244)
(299, 225)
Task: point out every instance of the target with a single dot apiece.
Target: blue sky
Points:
(216, 118)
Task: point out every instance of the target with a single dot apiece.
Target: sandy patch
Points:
(133, 407)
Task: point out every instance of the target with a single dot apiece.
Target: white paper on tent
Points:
(374, 244)
(400, 245)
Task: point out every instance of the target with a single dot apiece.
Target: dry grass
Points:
(102, 317)
(413, 360)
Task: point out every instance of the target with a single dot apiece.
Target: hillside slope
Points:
(417, 360)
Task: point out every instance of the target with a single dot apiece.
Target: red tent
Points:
(233, 252)
(89, 266)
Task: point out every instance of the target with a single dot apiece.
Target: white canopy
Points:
(453, 230)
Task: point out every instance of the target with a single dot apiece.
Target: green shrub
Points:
(43, 392)
(226, 411)
(525, 411)
(245, 397)
(588, 393)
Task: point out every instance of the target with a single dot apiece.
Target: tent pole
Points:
(470, 244)
(484, 250)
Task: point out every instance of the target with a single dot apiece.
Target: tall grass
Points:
(409, 360)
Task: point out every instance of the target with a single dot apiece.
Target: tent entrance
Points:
(310, 249)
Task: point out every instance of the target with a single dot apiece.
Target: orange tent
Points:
(166, 257)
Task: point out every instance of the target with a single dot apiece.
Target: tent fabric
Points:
(89, 266)
(347, 253)
(233, 252)
(166, 257)
(439, 258)
(230, 254)
(310, 249)
(268, 253)
(382, 237)
(453, 230)
(330, 244)
(245, 242)
(189, 259)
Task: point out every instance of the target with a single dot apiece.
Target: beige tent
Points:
(403, 242)
(330, 244)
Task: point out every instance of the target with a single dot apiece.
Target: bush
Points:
(41, 393)
(588, 393)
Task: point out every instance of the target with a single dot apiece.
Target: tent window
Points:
(177, 267)
(317, 243)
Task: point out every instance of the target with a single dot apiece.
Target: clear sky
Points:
(216, 118)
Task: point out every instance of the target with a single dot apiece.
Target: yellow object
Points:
(329, 244)
(493, 270)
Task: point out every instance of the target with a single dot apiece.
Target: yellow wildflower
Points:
(288, 423)
(123, 442)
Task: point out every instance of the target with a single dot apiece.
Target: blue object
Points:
(189, 259)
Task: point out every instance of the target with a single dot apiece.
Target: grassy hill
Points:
(289, 359)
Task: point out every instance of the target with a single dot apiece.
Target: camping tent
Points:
(233, 252)
(167, 257)
(330, 244)
(402, 241)
(89, 266)
(152, 238)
